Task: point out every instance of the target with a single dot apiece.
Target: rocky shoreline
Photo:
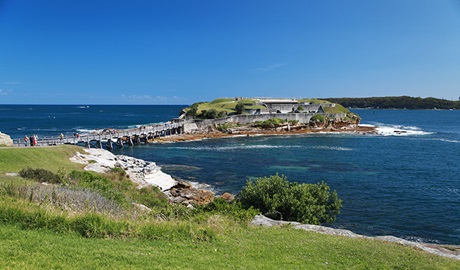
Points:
(144, 173)
(246, 131)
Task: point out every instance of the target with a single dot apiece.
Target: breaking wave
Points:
(398, 130)
(333, 148)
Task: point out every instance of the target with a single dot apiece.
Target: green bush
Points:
(239, 108)
(232, 209)
(42, 175)
(98, 183)
(270, 123)
(317, 118)
(151, 197)
(278, 198)
(210, 114)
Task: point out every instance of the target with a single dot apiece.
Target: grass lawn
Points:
(13, 159)
(250, 248)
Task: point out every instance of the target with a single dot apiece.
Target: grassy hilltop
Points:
(46, 232)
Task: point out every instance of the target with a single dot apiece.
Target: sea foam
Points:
(398, 130)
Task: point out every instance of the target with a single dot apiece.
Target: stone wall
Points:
(200, 125)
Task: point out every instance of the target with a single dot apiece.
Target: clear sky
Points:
(180, 52)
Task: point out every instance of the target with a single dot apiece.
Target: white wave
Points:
(366, 125)
(333, 148)
(205, 186)
(399, 130)
(82, 107)
(447, 140)
(86, 131)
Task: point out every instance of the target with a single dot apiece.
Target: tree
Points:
(192, 111)
(278, 198)
(239, 108)
(210, 114)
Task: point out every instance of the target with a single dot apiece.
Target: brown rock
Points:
(191, 196)
(183, 184)
(228, 197)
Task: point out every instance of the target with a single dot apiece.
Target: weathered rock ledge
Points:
(144, 173)
(441, 250)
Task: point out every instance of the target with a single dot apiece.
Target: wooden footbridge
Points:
(111, 138)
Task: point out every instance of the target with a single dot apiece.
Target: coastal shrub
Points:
(278, 198)
(270, 123)
(239, 108)
(42, 175)
(232, 209)
(222, 114)
(93, 181)
(210, 114)
(317, 118)
(293, 122)
(225, 127)
(151, 197)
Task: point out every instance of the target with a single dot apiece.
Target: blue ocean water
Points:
(52, 120)
(403, 182)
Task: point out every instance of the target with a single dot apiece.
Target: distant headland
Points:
(400, 102)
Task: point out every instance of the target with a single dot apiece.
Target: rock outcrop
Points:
(5, 140)
(144, 173)
(446, 251)
(184, 193)
(227, 197)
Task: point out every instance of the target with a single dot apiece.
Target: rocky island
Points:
(230, 117)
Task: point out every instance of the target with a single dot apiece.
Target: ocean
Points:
(404, 182)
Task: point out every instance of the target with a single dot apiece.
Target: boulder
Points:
(227, 196)
(5, 140)
(184, 193)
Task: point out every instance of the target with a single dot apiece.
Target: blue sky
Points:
(180, 52)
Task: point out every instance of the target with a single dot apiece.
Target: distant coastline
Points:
(398, 102)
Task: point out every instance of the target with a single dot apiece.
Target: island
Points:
(225, 117)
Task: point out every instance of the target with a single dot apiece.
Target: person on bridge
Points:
(26, 141)
(61, 136)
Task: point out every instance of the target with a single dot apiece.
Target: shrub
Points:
(42, 175)
(233, 209)
(270, 123)
(225, 127)
(151, 197)
(210, 114)
(278, 198)
(239, 108)
(98, 183)
(293, 122)
(317, 118)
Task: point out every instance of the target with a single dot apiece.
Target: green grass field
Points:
(51, 158)
(38, 235)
